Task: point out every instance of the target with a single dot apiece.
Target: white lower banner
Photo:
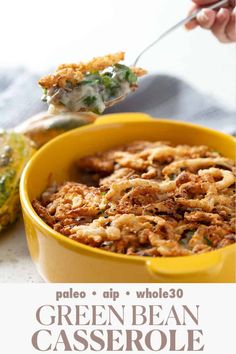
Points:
(116, 318)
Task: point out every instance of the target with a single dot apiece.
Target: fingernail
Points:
(222, 15)
(190, 25)
(203, 16)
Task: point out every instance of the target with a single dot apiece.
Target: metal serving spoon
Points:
(170, 30)
(179, 24)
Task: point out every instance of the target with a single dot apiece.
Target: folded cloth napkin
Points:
(158, 95)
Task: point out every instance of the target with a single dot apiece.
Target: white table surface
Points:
(51, 32)
(15, 261)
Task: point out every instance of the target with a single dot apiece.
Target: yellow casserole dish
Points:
(59, 259)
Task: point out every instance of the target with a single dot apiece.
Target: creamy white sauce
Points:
(73, 99)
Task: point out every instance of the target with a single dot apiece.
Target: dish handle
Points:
(204, 264)
(123, 118)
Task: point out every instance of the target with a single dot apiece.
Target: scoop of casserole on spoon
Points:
(91, 86)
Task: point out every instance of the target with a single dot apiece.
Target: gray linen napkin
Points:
(161, 96)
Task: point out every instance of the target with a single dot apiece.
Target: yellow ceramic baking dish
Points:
(59, 259)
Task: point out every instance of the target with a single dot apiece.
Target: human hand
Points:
(222, 22)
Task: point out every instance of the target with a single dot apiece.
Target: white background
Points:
(42, 34)
(217, 317)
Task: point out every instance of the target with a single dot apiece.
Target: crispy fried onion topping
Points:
(74, 73)
(147, 199)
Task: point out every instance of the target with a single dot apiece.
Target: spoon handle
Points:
(179, 24)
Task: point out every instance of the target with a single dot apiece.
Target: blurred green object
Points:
(45, 126)
(15, 152)
(17, 147)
